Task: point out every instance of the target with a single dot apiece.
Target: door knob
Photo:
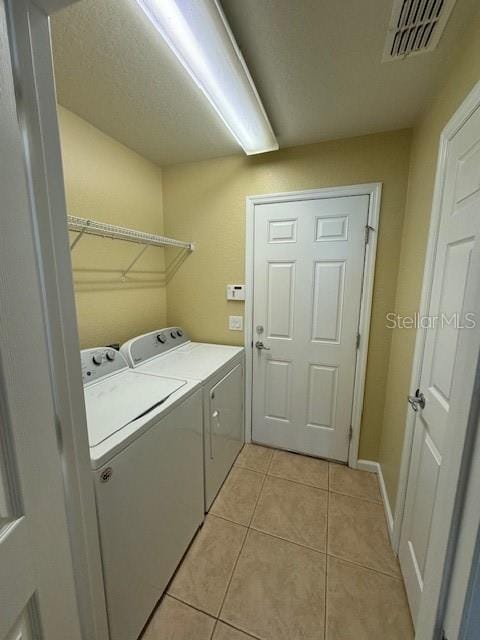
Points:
(259, 344)
(416, 401)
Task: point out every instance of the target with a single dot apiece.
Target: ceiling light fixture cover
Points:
(199, 35)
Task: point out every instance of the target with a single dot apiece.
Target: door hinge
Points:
(368, 229)
(358, 340)
(444, 637)
(350, 433)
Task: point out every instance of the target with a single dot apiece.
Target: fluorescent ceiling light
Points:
(199, 35)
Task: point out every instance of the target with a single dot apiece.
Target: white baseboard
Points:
(367, 465)
(375, 467)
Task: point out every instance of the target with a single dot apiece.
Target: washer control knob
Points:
(179, 333)
(97, 359)
(111, 355)
(173, 334)
(162, 338)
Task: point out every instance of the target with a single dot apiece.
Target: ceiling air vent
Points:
(416, 27)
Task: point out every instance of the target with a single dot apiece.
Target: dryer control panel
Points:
(142, 348)
(100, 362)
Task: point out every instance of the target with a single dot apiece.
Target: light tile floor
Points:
(293, 548)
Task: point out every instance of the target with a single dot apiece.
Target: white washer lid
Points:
(194, 360)
(118, 400)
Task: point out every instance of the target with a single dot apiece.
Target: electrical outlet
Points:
(235, 323)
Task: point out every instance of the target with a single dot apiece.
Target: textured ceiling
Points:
(316, 63)
(113, 69)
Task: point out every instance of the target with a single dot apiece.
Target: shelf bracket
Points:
(134, 261)
(80, 234)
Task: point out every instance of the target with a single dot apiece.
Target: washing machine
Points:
(146, 449)
(220, 370)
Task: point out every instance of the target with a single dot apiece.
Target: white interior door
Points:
(457, 236)
(308, 270)
(37, 595)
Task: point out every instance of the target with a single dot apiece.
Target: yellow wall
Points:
(463, 74)
(205, 202)
(107, 181)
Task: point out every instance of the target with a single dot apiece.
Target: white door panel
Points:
(37, 591)
(308, 271)
(281, 296)
(322, 396)
(457, 236)
(327, 312)
(277, 389)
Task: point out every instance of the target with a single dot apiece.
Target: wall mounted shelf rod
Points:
(92, 227)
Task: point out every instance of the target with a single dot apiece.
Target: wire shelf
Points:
(92, 227)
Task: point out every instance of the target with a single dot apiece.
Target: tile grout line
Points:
(363, 566)
(240, 466)
(231, 626)
(192, 606)
(297, 544)
(239, 524)
(244, 541)
(304, 484)
(213, 630)
(349, 495)
(301, 484)
(217, 620)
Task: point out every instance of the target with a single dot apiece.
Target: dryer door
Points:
(224, 429)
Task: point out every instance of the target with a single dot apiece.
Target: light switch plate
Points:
(235, 323)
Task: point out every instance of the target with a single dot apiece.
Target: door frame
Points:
(374, 191)
(469, 105)
(452, 477)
